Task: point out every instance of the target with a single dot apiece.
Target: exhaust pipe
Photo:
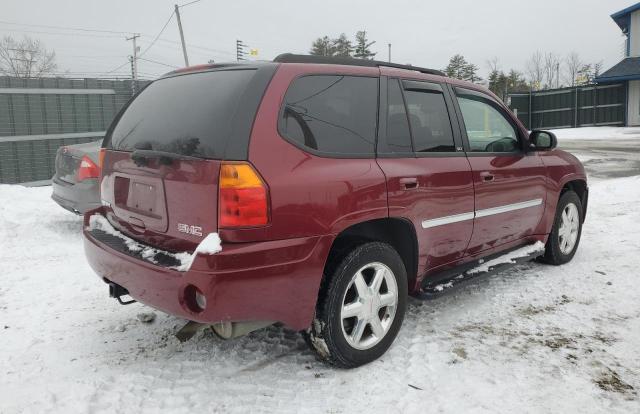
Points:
(229, 330)
(223, 330)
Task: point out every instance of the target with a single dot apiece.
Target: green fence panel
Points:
(30, 121)
(587, 105)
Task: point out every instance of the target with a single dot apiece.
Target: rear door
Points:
(428, 176)
(509, 182)
(163, 154)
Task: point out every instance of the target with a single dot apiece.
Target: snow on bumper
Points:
(183, 261)
(274, 280)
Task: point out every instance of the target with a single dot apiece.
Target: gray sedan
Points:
(75, 183)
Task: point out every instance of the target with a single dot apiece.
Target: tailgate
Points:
(169, 206)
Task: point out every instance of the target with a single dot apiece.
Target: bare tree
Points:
(574, 66)
(597, 68)
(551, 70)
(26, 58)
(535, 70)
(493, 64)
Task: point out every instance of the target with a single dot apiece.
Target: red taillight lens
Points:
(88, 169)
(242, 198)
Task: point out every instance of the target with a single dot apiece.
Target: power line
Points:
(62, 34)
(158, 35)
(190, 3)
(117, 68)
(64, 28)
(159, 63)
(191, 45)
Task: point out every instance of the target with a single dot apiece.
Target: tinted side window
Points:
(430, 124)
(398, 135)
(488, 130)
(332, 114)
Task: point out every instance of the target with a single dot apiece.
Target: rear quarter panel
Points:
(310, 195)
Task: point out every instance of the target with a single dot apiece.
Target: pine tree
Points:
(362, 50)
(470, 73)
(342, 46)
(456, 67)
(517, 81)
(459, 68)
(322, 46)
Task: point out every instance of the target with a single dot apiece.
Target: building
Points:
(627, 71)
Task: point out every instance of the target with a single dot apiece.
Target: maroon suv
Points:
(320, 193)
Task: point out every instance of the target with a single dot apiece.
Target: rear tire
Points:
(567, 228)
(361, 306)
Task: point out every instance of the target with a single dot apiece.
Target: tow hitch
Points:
(116, 291)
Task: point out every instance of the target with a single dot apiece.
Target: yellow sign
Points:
(253, 52)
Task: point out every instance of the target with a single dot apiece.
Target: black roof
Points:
(330, 60)
(627, 69)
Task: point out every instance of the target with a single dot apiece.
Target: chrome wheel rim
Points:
(369, 306)
(569, 226)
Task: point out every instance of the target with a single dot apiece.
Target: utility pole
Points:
(134, 62)
(133, 75)
(389, 44)
(135, 55)
(184, 47)
(240, 50)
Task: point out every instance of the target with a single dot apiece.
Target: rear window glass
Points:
(332, 114)
(187, 114)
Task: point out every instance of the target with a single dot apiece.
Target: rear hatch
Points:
(163, 154)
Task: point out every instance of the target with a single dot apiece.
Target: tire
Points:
(557, 250)
(378, 306)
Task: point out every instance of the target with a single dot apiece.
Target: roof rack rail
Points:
(293, 58)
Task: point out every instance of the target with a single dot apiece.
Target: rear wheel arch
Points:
(399, 233)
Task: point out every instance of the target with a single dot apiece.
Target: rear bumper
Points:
(265, 281)
(77, 198)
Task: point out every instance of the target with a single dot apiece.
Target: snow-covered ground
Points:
(606, 152)
(597, 133)
(537, 338)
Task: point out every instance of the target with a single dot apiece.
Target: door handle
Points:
(487, 176)
(409, 183)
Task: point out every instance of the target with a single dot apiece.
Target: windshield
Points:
(188, 114)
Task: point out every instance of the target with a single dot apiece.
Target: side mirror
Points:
(542, 140)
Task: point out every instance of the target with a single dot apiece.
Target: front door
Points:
(509, 182)
(429, 179)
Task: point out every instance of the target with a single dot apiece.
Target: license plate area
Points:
(141, 202)
(143, 198)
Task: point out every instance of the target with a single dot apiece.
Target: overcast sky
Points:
(424, 33)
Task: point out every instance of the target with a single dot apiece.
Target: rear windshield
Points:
(187, 114)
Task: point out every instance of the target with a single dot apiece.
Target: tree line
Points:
(342, 46)
(542, 70)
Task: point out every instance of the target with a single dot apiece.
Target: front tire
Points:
(567, 228)
(361, 306)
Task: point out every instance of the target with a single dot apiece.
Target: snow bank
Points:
(211, 244)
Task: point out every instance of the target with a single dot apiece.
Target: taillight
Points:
(101, 158)
(242, 198)
(88, 169)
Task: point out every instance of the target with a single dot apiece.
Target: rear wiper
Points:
(142, 157)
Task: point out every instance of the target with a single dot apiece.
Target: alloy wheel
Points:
(569, 227)
(369, 305)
